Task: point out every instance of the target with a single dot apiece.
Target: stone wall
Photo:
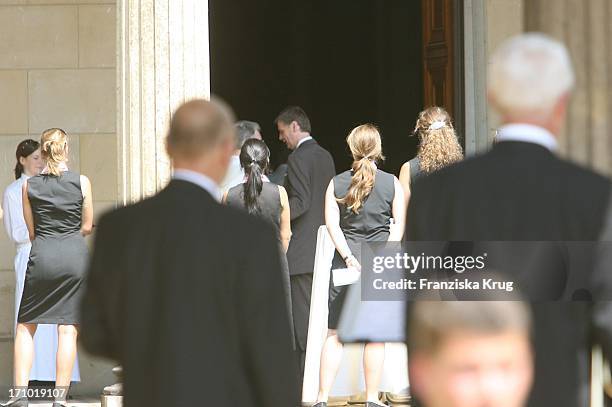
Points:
(584, 26)
(58, 70)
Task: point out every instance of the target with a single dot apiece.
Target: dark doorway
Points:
(346, 62)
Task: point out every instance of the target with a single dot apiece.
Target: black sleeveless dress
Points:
(415, 169)
(371, 224)
(54, 281)
(270, 207)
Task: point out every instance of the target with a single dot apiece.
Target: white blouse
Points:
(14, 223)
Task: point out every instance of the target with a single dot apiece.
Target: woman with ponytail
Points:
(29, 163)
(438, 146)
(266, 200)
(57, 208)
(360, 205)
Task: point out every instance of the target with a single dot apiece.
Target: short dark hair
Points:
(433, 321)
(245, 129)
(294, 114)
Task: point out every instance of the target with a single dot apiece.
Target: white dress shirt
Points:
(200, 180)
(235, 174)
(528, 133)
(303, 141)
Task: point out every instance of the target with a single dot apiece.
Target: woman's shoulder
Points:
(384, 174)
(14, 188)
(344, 175)
(235, 190)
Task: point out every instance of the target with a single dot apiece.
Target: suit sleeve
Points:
(602, 287)
(267, 342)
(99, 318)
(298, 186)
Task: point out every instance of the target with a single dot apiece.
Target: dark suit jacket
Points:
(310, 168)
(522, 192)
(187, 295)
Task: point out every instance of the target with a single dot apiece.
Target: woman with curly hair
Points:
(438, 148)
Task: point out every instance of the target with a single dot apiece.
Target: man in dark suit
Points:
(522, 191)
(187, 293)
(310, 169)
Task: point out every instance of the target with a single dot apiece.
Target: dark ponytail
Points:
(254, 158)
(24, 149)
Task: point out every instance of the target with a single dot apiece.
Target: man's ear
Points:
(167, 147)
(295, 127)
(228, 146)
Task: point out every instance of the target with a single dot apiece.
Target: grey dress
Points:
(371, 224)
(270, 210)
(54, 280)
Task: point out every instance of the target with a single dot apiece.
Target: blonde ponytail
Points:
(366, 147)
(54, 148)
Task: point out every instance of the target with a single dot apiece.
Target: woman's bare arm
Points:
(285, 220)
(398, 210)
(332, 221)
(404, 180)
(87, 215)
(27, 210)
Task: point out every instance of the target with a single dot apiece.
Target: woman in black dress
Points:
(359, 206)
(57, 207)
(266, 200)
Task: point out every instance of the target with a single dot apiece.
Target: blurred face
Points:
(471, 370)
(288, 134)
(257, 135)
(32, 164)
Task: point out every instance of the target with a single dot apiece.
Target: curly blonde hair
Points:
(439, 145)
(366, 147)
(54, 148)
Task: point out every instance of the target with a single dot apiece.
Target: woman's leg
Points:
(331, 356)
(373, 360)
(23, 353)
(66, 354)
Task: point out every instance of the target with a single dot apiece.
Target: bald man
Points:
(186, 293)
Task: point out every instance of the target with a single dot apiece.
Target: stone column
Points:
(162, 61)
(477, 136)
(584, 27)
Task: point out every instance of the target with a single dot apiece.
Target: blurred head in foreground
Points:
(470, 353)
(202, 138)
(530, 81)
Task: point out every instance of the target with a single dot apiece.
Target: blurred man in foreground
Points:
(522, 191)
(468, 354)
(187, 293)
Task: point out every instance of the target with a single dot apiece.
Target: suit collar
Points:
(527, 133)
(305, 141)
(187, 188)
(200, 180)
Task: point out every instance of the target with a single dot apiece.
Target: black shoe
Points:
(374, 404)
(20, 402)
(320, 404)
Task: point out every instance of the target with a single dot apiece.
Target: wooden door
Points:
(439, 54)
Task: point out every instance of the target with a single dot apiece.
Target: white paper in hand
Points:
(345, 276)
